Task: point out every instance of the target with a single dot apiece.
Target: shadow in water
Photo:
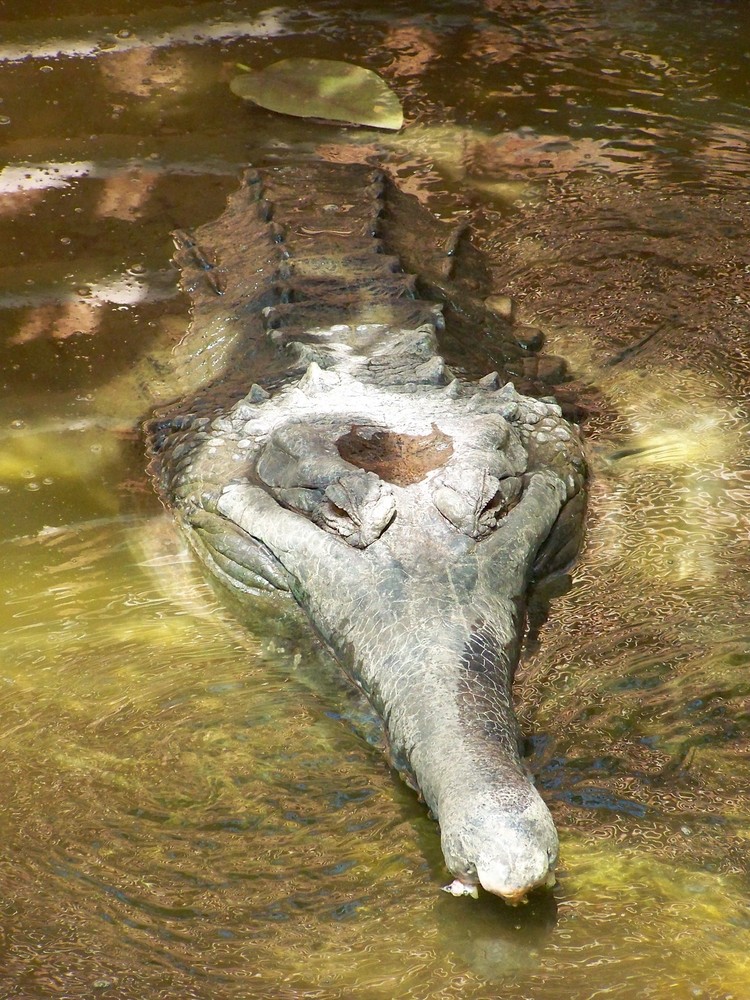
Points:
(494, 940)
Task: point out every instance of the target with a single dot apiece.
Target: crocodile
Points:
(330, 449)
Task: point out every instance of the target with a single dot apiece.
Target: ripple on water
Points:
(186, 810)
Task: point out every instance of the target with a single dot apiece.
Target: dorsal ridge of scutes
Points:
(333, 288)
(431, 371)
(257, 394)
(317, 379)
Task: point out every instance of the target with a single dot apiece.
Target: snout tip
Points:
(508, 892)
(514, 890)
(496, 879)
(506, 844)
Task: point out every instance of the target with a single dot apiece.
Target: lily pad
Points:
(322, 88)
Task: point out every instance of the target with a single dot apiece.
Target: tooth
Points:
(459, 888)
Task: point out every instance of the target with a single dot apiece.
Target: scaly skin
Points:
(405, 510)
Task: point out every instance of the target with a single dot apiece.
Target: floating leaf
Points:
(322, 88)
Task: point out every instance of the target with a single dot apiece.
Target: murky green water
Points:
(185, 812)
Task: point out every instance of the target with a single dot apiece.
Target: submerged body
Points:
(325, 448)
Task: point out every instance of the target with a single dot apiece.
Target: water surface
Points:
(188, 810)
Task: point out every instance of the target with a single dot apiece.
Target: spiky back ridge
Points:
(332, 264)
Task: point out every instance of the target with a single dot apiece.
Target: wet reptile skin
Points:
(322, 445)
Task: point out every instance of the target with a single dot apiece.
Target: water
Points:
(187, 810)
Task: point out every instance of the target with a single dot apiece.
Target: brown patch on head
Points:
(401, 459)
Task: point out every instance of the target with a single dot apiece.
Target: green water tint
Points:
(190, 808)
(180, 803)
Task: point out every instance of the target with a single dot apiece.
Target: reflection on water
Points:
(190, 809)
